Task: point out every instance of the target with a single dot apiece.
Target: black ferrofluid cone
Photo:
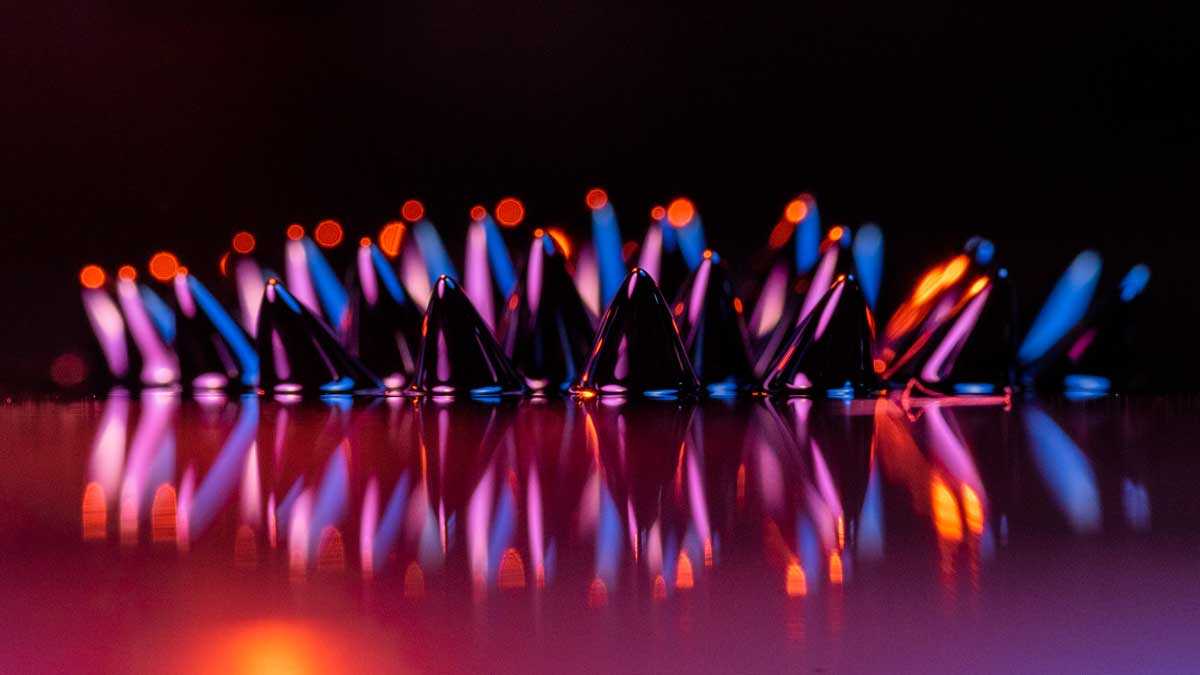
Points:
(385, 323)
(713, 330)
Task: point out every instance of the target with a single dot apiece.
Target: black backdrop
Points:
(130, 128)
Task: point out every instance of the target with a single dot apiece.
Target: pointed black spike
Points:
(829, 353)
(298, 353)
(546, 327)
(638, 351)
(385, 323)
(709, 316)
(459, 356)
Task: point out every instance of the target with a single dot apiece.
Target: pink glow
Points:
(298, 280)
(932, 370)
(533, 275)
(366, 275)
(821, 281)
(650, 257)
(159, 364)
(477, 277)
(250, 292)
(769, 308)
(830, 307)
(109, 328)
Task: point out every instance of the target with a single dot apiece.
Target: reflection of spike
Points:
(1064, 469)
(218, 485)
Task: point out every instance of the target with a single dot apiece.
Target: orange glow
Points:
(163, 266)
(841, 532)
(538, 233)
(708, 553)
(365, 242)
(597, 594)
(223, 264)
(596, 198)
(658, 213)
(513, 301)
(879, 365)
(127, 273)
(796, 210)
(277, 647)
(835, 567)
(681, 211)
(561, 239)
(683, 573)
(708, 254)
(512, 571)
(973, 510)
(331, 554)
(245, 548)
(412, 210)
(243, 242)
(737, 305)
(414, 581)
(295, 231)
(95, 512)
(945, 511)
(679, 309)
(510, 212)
(478, 212)
(795, 583)
(836, 232)
(91, 276)
(390, 238)
(162, 514)
(781, 233)
(182, 271)
(328, 233)
(976, 287)
(660, 588)
(954, 270)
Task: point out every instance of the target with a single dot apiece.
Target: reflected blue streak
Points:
(223, 477)
(1065, 470)
(390, 524)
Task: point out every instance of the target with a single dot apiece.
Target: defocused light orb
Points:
(163, 266)
(328, 233)
(412, 210)
(92, 276)
(681, 211)
(510, 212)
(243, 242)
(596, 198)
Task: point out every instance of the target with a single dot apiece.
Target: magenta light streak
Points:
(587, 279)
(537, 538)
(183, 294)
(159, 364)
(109, 328)
(414, 275)
(951, 453)
(830, 307)
(249, 280)
(477, 276)
(299, 283)
(769, 308)
(650, 257)
(932, 370)
(479, 512)
(821, 281)
(366, 530)
(366, 275)
(533, 275)
(108, 450)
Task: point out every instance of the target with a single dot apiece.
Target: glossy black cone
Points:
(210, 357)
(972, 351)
(459, 356)
(829, 353)
(713, 329)
(298, 353)
(638, 351)
(385, 324)
(547, 330)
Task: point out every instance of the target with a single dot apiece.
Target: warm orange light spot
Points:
(596, 198)
(708, 553)
(628, 249)
(162, 514)
(737, 305)
(781, 233)
(365, 242)
(976, 287)
(841, 532)
(412, 210)
(973, 510)
(295, 231)
(945, 511)
(928, 285)
(512, 571)
(513, 301)
(954, 270)
(95, 512)
(681, 211)
(510, 212)
(835, 567)
(414, 581)
(181, 271)
(586, 393)
(539, 233)
(331, 553)
(741, 485)
(597, 594)
(836, 232)
(243, 242)
(708, 254)
(679, 309)
(127, 273)
(795, 212)
(478, 212)
(795, 583)
(223, 264)
(658, 213)
(660, 588)
(163, 266)
(245, 548)
(390, 238)
(683, 573)
(91, 276)
(328, 233)
(878, 365)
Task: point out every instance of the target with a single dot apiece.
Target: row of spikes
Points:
(812, 331)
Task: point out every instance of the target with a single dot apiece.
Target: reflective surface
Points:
(404, 535)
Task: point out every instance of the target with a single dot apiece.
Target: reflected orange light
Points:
(683, 573)
(243, 242)
(127, 273)
(478, 212)
(328, 233)
(679, 309)
(795, 583)
(660, 588)
(737, 305)
(295, 231)
(658, 213)
(91, 276)
(596, 198)
(414, 582)
(597, 594)
(512, 571)
(390, 238)
(162, 514)
(841, 532)
(331, 555)
(836, 232)
(796, 210)
(279, 647)
(945, 511)
(561, 239)
(412, 210)
(708, 553)
(976, 287)
(741, 485)
(781, 233)
(878, 365)
(95, 512)
(510, 212)
(973, 510)
(835, 567)
(365, 242)
(163, 266)
(681, 211)
(223, 264)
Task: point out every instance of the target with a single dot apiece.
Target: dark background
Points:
(130, 128)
